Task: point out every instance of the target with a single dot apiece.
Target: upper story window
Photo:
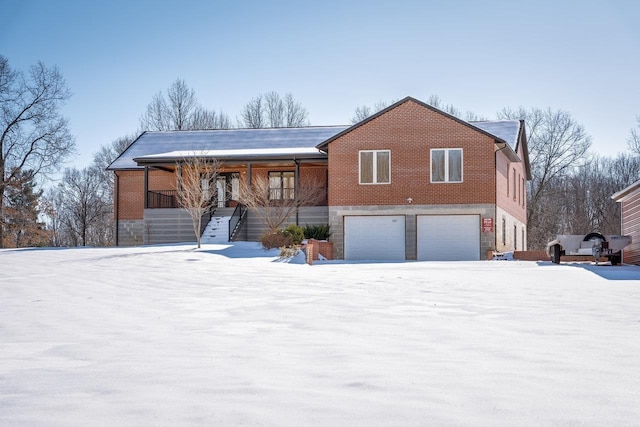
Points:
(375, 167)
(446, 165)
(281, 185)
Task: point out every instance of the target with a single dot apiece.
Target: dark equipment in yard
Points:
(593, 245)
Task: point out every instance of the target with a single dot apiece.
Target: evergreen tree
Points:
(22, 227)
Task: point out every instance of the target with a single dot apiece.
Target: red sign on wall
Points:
(487, 225)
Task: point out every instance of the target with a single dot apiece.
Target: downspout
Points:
(146, 187)
(495, 195)
(117, 208)
(297, 188)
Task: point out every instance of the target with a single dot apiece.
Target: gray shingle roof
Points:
(508, 130)
(154, 143)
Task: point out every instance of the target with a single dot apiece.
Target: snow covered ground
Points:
(229, 335)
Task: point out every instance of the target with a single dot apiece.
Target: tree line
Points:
(569, 192)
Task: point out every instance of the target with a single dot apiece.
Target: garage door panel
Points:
(374, 237)
(448, 237)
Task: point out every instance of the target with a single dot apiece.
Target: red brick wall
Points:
(512, 200)
(131, 190)
(131, 184)
(410, 131)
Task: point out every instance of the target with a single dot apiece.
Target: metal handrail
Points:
(236, 216)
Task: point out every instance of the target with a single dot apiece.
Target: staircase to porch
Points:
(223, 225)
(217, 230)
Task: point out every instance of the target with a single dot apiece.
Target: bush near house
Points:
(317, 231)
(275, 240)
(295, 232)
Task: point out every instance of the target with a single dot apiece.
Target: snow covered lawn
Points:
(227, 335)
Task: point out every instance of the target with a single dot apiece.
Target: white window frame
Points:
(446, 165)
(375, 167)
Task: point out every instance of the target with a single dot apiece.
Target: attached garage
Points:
(374, 237)
(448, 237)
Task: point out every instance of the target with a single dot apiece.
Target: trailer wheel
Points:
(615, 259)
(555, 254)
(594, 236)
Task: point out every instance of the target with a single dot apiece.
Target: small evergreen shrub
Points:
(295, 232)
(317, 231)
(275, 240)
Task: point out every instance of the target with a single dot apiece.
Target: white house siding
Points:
(631, 226)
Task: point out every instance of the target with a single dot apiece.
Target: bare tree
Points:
(295, 115)
(365, 111)
(178, 109)
(270, 110)
(85, 210)
(196, 177)
(201, 118)
(273, 212)
(558, 145)
(33, 134)
(634, 138)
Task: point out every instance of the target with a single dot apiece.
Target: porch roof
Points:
(247, 144)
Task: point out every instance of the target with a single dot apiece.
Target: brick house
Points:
(629, 199)
(410, 182)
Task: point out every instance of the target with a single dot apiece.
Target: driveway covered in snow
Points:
(228, 335)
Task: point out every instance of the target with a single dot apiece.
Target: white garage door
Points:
(448, 237)
(374, 237)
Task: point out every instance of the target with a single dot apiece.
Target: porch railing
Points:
(235, 219)
(158, 199)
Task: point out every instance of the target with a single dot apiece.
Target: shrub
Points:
(289, 252)
(275, 240)
(318, 231)
(295, 233)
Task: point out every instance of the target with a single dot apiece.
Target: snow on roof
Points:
(156, 143)
(225, 154)
(507, 130)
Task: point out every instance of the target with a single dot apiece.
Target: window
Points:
(515, 237)
(514, 184)
(504, 231)
(446, 165)
(281, 185)
(508, 167)
(375, 167)
(524, 193)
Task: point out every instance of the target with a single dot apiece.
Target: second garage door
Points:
(448, 237)
(374, 237)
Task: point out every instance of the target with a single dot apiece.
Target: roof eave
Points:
(142, 161)
(623, 194)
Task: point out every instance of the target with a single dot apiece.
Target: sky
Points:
(333, 56)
